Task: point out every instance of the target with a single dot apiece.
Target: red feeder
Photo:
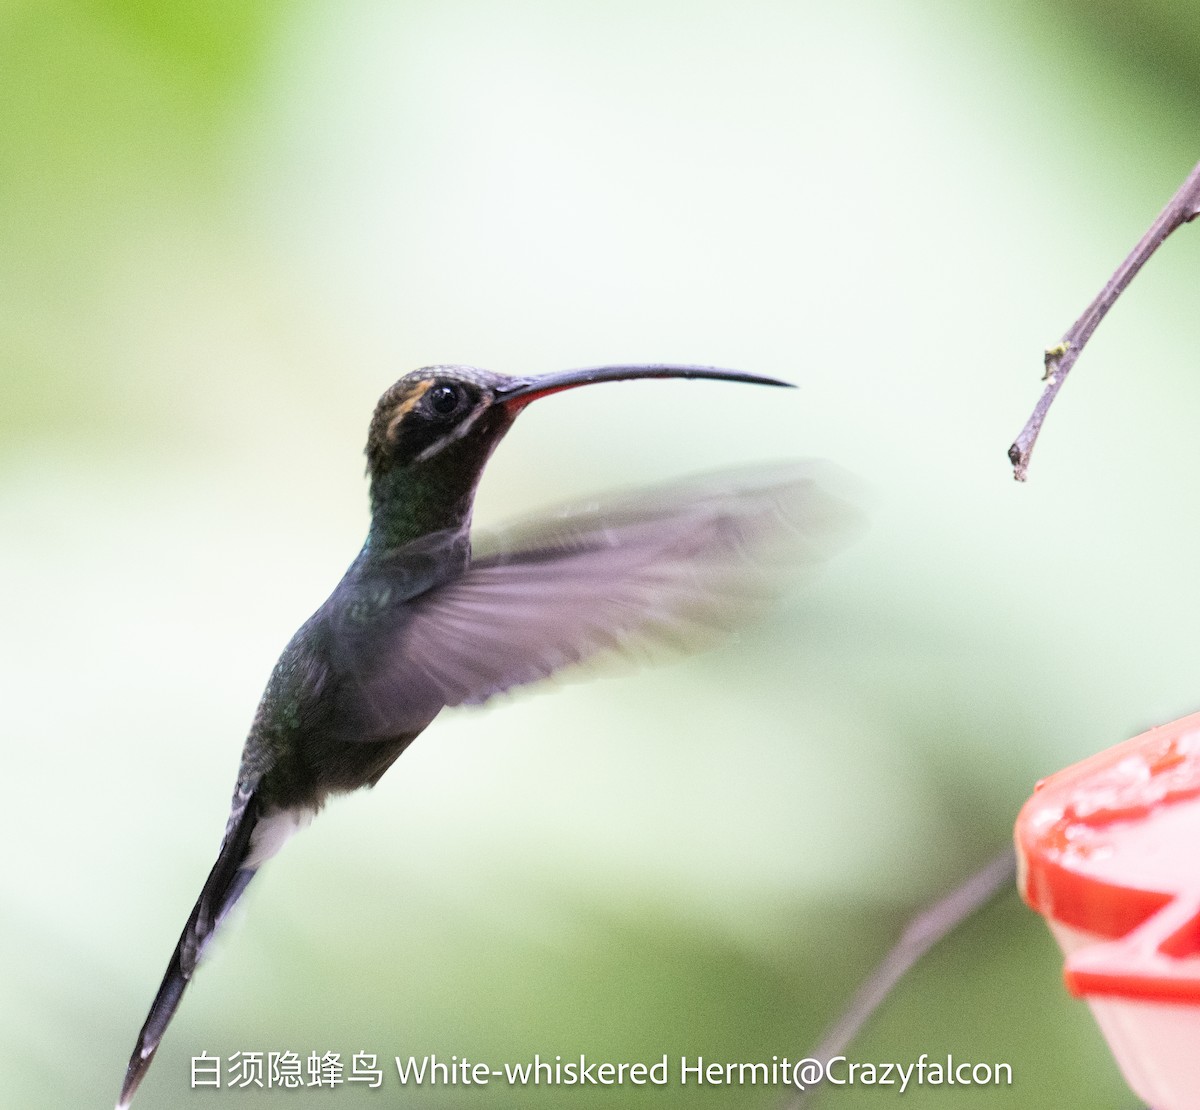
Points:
(1109, 853)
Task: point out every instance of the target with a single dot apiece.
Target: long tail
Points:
(224, 886)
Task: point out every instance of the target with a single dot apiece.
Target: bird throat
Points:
(435, 495)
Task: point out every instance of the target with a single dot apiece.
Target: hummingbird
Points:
(419, 622)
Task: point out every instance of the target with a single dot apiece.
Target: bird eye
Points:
(444, 398)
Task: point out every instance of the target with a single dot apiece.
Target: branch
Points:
(1183, 207)
(919, 936)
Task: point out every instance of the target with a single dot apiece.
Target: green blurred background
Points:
(226, 226)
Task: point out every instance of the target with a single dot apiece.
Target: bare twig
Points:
(920, 935)
(1183, 207)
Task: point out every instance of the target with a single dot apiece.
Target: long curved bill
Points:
(521, 391)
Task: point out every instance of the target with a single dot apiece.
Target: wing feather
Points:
(628, 576)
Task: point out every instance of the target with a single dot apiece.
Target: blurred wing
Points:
(672, 568)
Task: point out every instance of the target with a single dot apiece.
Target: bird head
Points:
(434, 430)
